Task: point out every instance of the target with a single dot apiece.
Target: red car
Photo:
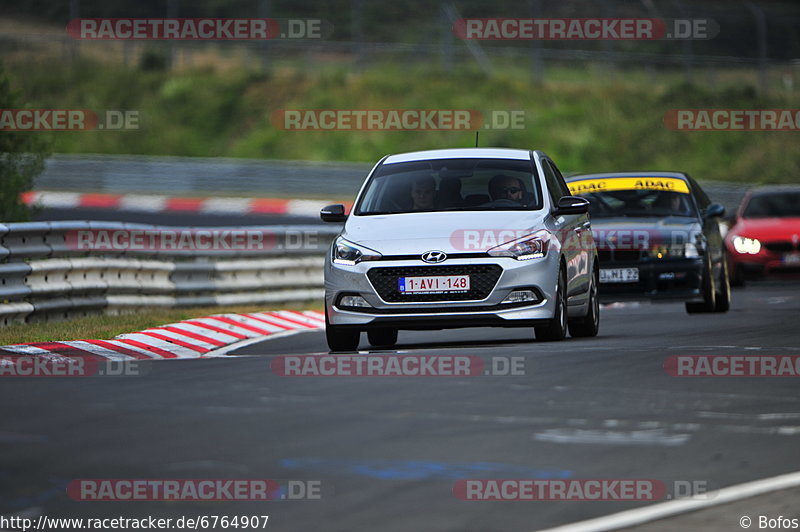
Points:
(764, 239)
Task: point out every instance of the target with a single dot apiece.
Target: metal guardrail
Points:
(125, 174)
(46, 275)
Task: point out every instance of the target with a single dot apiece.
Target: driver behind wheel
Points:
(506, 187)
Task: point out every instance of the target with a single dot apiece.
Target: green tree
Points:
(22, 155)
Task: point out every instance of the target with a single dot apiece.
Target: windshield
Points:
(451, 185)
(774, 205)
(639, 203)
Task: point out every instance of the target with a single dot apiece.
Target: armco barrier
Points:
(44, 275)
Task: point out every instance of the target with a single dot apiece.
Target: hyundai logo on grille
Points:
(434, 256)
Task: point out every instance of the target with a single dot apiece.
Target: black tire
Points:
(590, 324)
(723, 302)
(384, 337)
(737, 276)
(556, 329)
(709, 293)
(341, 338)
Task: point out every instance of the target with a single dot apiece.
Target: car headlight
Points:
(688, 250)
(349, 254)
(673, 251)
(533, 246)
(744, 245)
(692, 251)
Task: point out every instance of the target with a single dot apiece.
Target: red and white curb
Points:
(195, 338)
(159, 203)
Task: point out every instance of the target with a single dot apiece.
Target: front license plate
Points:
(435, 283)
(791, 258)
(619, 275)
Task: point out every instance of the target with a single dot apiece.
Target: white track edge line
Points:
(223, 351)
(654, 512)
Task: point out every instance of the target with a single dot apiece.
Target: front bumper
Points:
(764, 264)
(539, 275)
(663, 279)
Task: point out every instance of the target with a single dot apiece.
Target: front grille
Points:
(619, 255)
(482, 279)
(627, 255)
(780, 247)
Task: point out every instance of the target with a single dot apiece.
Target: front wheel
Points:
(737, 275)
(723, 302)
(556, 329)
(341, 338)
(590, 324)
(709, 302)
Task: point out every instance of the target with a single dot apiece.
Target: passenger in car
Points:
(423, 193)
(670, 202)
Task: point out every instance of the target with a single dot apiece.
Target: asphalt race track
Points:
(388, 450)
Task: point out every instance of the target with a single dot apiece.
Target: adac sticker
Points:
(588, 186)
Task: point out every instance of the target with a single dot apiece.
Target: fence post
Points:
(446, 40)
(172, 12)
(537, 61)
(761, 30)
(608, 44)
(688, 55)
(472, 45)
(357, 31)
(73, 44)
(264, 44)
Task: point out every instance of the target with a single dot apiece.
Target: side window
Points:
(560, 178)
(700, 196)
(553, 185)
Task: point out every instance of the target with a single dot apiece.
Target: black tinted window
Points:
(778, 205)
(553, 186)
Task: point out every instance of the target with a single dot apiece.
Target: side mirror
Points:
(572, 205)
(333, 213)
(715, 210)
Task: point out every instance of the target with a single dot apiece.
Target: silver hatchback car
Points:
(454, 238)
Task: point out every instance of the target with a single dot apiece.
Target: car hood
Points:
(451, 232)
(767, 229)
(644, 232)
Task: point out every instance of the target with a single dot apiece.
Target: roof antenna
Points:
(476, 138)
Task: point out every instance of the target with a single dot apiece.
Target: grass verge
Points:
(585, 125)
